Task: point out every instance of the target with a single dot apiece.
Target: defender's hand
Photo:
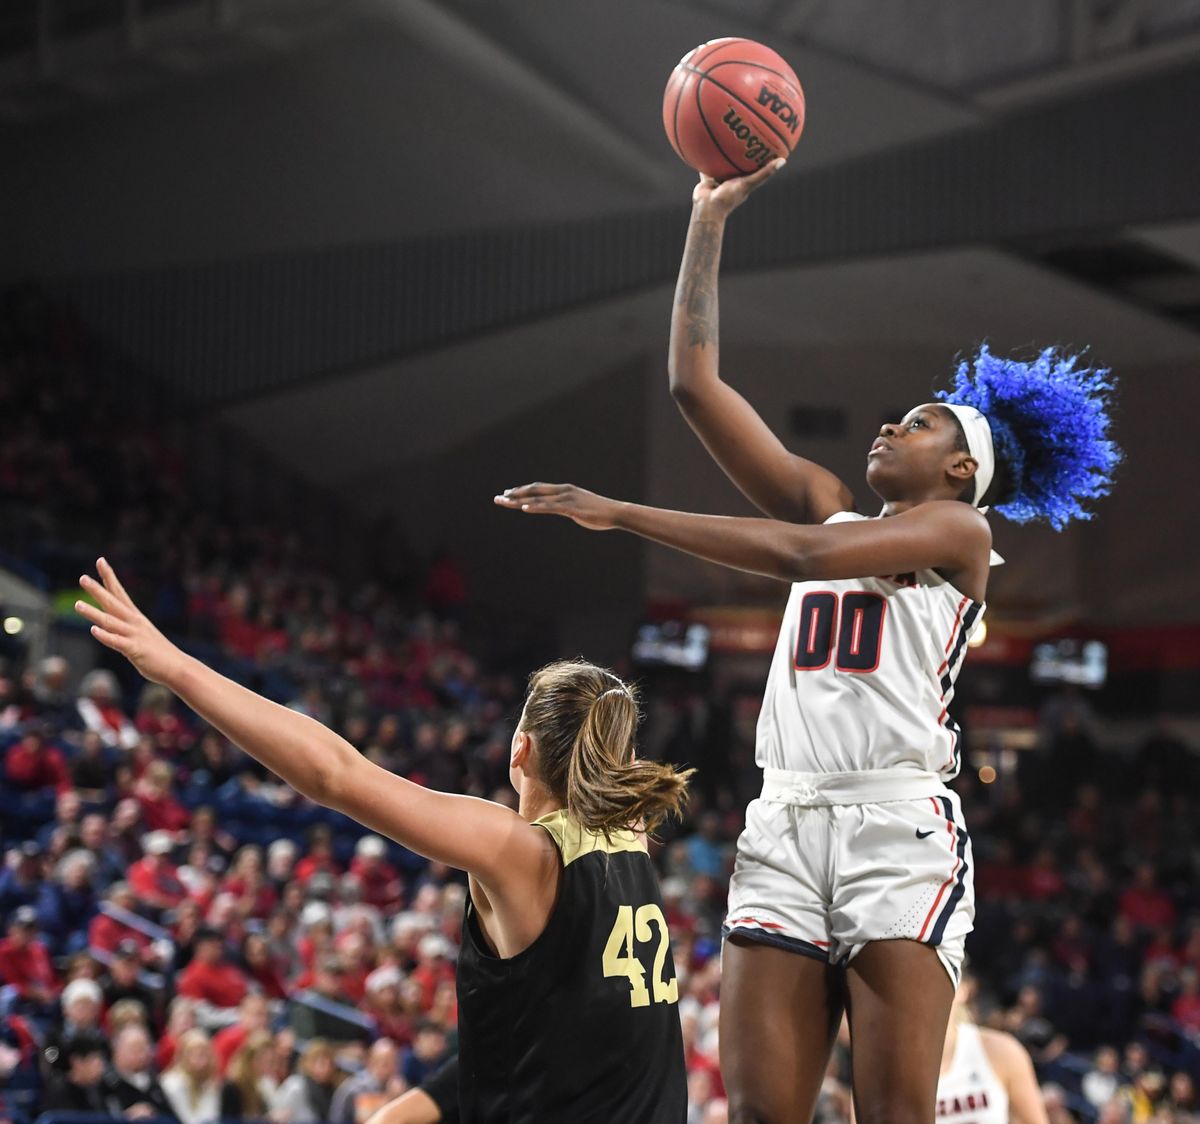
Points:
(596, 513)
(119, 624)
(721, 198)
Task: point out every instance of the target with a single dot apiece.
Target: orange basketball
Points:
(732, 106)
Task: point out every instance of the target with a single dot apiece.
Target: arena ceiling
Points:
(228, 131)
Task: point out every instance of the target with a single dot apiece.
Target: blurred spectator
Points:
(130, 1085)
(25, 967)
(153, 878)
(100, 709)
(191, 1085)
(427, 1052)
(249, 1086)
(381, 884)
(181, 1017)
(82, 1002)
(319, 856)
(78, 1088)
(1101, 1082)
(123, 980)
(21, 879)
(33, 765)
(1143, 903)
(379, 1077)
(66, 905)
(107, 931)
(91, 770)
(52, 693)
(218, 985)
(107, 866)
(281, 862)
(1185, 1010)
(263, 969)
(161, 811)
(307, 1095)
(67, 809)
(253, 1016)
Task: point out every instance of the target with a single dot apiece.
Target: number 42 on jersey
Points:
(620, 957)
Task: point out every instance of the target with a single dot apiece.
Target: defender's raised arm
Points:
(779, 483)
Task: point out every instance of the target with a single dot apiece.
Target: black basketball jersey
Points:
(583, 1026)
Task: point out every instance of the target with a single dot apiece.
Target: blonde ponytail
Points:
(585, 721)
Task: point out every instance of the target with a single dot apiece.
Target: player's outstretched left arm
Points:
(488, 840)
(944, 535)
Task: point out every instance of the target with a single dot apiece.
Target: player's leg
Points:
(902, 907)
(780, 1001)
(779, 1013)
(899, 998)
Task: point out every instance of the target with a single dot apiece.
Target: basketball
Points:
(732, 106)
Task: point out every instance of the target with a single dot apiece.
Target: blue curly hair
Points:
(1050, 427)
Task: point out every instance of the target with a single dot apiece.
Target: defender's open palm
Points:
(120, 625)
(596, 513)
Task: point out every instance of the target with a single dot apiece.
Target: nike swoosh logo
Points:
(924, 834)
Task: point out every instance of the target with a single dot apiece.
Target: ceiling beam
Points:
(443, 31)
(227, 331)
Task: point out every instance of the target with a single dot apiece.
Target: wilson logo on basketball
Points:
(782, 109)
(757, 150)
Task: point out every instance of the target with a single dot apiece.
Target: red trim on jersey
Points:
(770, 925)
(949, 881)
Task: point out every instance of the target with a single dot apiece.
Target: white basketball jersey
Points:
(970, 1092)
(863, 675)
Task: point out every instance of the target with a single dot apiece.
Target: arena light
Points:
(987, 774)
(979, 636)
(13, 625)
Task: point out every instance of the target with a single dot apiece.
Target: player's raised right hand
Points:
(120, 625)
(726, 196)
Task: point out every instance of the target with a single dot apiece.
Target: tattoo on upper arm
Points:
(697, 291)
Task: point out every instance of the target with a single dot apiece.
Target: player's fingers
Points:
(110, 579)
(764, 174)
(111, 640)
(542, 507)
(105, 597)
(526, 491)
(99, 617)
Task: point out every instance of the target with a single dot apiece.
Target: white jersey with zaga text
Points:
(863, 675)
(970, 1091)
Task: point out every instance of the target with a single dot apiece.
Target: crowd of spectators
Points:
(184, 936)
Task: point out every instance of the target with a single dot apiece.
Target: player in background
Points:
(987, 1076)
(566, 986)
(853, 882)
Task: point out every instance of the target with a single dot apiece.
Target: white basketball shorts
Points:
(822, 872)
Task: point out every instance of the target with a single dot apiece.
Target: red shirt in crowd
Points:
(107, 932)
(1148, 908)
(226, 1042)
(263, 900)
(156, 883)
(32, 765)
(310, 864)
(222, 985)
(163, 813)
(27, 965)
(381, 885)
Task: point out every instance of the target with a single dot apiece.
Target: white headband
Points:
(979, 444)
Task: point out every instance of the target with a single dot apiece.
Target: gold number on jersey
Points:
(620, 959)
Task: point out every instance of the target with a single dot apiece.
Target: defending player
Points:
(987, 1076)
(566, 986)
(856, 856)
